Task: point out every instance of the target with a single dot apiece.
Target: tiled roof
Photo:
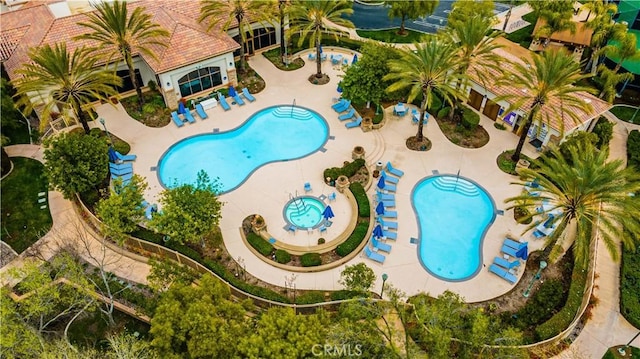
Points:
(566, 124)
(22, 29)
(188, 43)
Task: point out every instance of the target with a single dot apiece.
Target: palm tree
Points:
(229, 13)
(550, 77)
(63, 82)
(593, 196)
(599, 8)
(604, 29)
(121, 35)
(610, 80)
(410, 10)
(623, 50)
(555, 22)
(312, 18)
(475, 41)
(424, 71)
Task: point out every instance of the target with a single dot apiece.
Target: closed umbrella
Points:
(380, 208)
(232, 92)
(112, 155)
(523, 252)
(355, 59)
(381, 182)
(328, 213)
(377, 231)
(180, 107)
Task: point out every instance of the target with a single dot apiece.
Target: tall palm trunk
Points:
(523, 135)
(318, 62)
(241, 29)
(402, 29)
(132, 74)
(82, 118)
(423, 110)
(282, 48)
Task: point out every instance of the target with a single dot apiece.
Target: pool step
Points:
(292, 112)
(452, 184)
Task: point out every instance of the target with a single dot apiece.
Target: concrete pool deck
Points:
(268, 189)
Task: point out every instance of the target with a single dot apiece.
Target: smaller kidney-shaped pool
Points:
(454, 214)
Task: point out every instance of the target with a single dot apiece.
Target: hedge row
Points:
(283, 256)
(310, 297)
(633, 149)
(310, 259)
(260, 244)
(563, 318)
(629, 282)
(354, 240)
(364, 207)
(348, 170)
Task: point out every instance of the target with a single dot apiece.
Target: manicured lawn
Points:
(392, 36)
(629, 280)
(523, 36)
(626, 113)
(23, 222)
(612, 353)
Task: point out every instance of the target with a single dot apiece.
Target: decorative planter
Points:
(342, 183)
(376, 174)
(258, 224)
(358, 153)
(367, 124)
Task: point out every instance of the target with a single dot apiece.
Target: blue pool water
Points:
(278, 133)
(453, 216)
(304, 212)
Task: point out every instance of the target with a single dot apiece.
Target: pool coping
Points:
(326, 123)
(484, 232)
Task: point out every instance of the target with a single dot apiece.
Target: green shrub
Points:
(542, 304)
(283, 256)
(563, 318)
(629, 282)
(499, 126)
(354, 239)
(364, 207)
(578, 137)
(470, 119)
(444, 112)
(604, 130)
(310, 297)
(346, 294)
(260, 244)
(348, 170)
(310, 259)
(633, 149)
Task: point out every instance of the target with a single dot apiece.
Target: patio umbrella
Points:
(320, 48)
(381, 182)
(355, 59)
(380, 208)
(377, 231)
(232, 92)
(328, 213)
(180, 107)
(112, 155)
(523, 252)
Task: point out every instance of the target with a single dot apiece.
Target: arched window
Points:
(199, 80)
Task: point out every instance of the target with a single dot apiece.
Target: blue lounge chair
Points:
(176, 119)
(201, 112)
(505, 263)
(394, 171)
(339, 104)
(223, 102)
(389, 179)
(387, 203)
(390, 235)
(387, 224)
(348, 115)
(374, 255)
(307, 187)
(120, 166)
(123, 158)
(514, 244)
(508, 250)
(342, 107)
(290, 228)
(125, 178)
(385, 196)
(322, 228)
(538, 234)
(345, 62)
(189, 116)
(503, 273)
(380, 245)
(355, 123)
(390, 214)
(121, 171)
(332, 196)
(238, 100)
(389, 187)
(247, 95)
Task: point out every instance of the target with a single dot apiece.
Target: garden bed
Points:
(462, 136)
(154, 112)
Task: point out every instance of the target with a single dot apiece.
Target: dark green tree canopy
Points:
(75, 163)
(410, 10)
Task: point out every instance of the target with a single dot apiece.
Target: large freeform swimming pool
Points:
(453, 213)
(278, 133)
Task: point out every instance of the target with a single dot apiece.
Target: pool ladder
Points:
(301, 207)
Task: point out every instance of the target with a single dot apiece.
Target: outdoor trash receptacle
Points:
(379, 165)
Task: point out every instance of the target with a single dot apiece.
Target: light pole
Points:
(103, 122)
(543, 265)
(384, 279)
(623, 350)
